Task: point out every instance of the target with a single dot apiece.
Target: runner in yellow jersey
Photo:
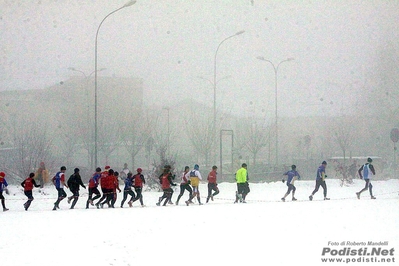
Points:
(195, 177)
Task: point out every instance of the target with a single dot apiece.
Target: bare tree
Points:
(252, 136)
(343, 133)
(109, 133)
(199, 127)
(83, 132)
(135, 133)
(30, 146)
(159, 140)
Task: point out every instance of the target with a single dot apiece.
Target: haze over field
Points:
(341, 49)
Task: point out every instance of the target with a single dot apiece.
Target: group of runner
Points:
(190, 181)
(108, 181)
(366, 171)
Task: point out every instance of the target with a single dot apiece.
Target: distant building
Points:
(117, 94)
(67, 109)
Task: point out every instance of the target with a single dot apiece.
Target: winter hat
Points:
(76, 170)
(107, 167)
(139, 170)
(196, 167)
(2, 174)
(324, 162)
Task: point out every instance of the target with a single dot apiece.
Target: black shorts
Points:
(243, 188)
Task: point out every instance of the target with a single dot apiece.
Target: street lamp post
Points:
(130, 3)
(83, 73)
(275, 68)
(87, 79)
(215, 82)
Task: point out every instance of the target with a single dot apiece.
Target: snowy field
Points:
(265, 231)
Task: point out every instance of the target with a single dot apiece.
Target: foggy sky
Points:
(170, 43)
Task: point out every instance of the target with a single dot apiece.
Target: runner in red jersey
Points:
(166, 182)
(28, 185)
(138, 183)
(212, 184)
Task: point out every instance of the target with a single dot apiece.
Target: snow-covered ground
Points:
(265, 231)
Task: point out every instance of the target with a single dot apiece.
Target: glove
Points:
(84, 187)
(283, 180)
(7, 191)
(174, 185)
